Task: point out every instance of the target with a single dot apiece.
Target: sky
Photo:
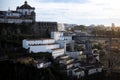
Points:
(84, 12)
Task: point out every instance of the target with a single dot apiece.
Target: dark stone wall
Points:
(11, 35)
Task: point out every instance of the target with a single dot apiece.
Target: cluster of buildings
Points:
(78, 68)
(75, 63)
(55, 45)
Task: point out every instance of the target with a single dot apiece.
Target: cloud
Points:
(73, 11)
(64, 1)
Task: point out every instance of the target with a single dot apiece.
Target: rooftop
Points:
(25, 6)
(41, 44)
(58, 49)
(40, 39)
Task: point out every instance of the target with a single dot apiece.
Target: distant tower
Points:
(88, 47)
(113, 25)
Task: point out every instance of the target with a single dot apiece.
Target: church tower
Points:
(27, 12)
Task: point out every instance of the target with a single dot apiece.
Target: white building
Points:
(59, 36)
(74, 55)
(66, 62)
(94, 70)
(61, 27)
(78, 73)
(43, 45)
(41, 64)
(30, 42)
(24, 13)
(61, 39)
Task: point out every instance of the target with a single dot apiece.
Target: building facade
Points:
(24, 13)
(43, 45)
(59, 36)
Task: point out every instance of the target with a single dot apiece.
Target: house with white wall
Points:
(43, 45)
(59, 36)
(41, 64)
(61, 39)
(78, 72)
(93, 70)
(61, 27)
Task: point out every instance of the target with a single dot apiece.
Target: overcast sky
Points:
(71, 11)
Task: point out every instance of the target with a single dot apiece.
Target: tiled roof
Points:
(25, 6)
(42, 44)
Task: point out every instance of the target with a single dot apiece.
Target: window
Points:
(25, 12)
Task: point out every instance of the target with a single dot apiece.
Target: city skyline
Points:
(84, 12)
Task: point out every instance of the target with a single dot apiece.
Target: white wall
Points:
(27, 20)
(94, 70)
(36, 49)
(16, 14)
(61, 27)
(40, 65)
(25, 44)
(91, 71)
(17, 20)
(74, 55)
(42, 48)
(40, 41)
(78, 74)
(14, 21)
(43, 45)
(59, 36)
(12, 14)
(25, 10)
(58, 53)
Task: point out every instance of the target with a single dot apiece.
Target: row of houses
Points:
(77, 68)
(77, 64)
